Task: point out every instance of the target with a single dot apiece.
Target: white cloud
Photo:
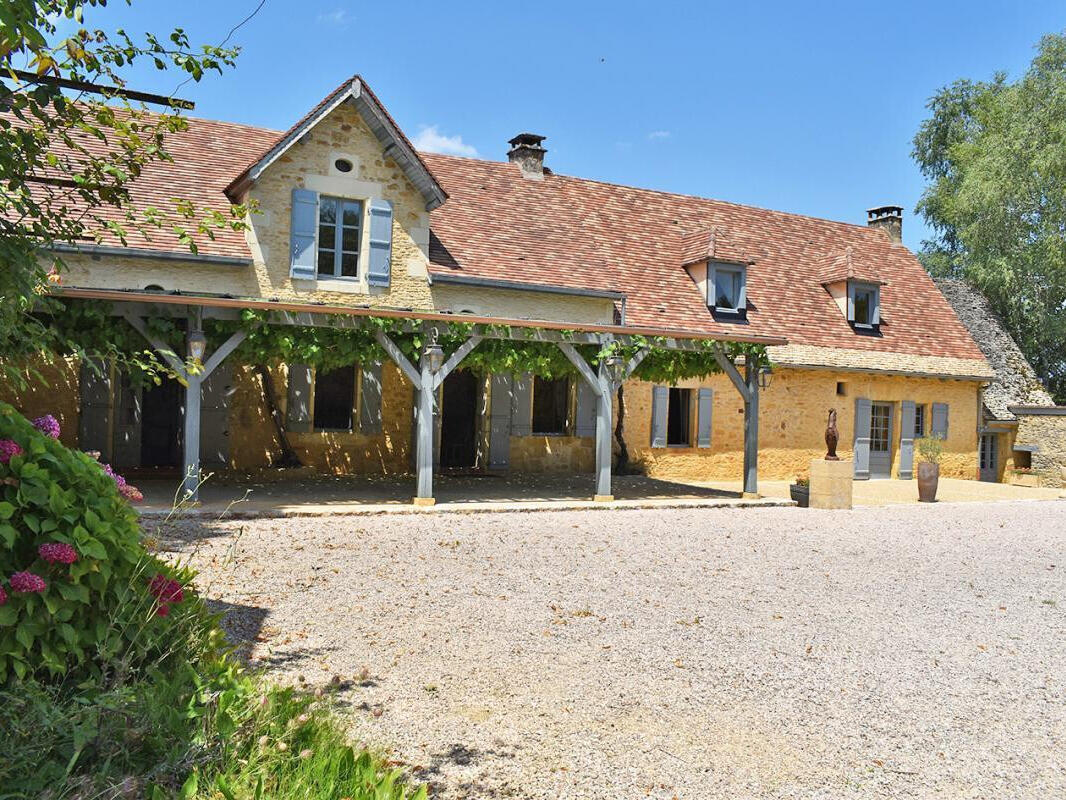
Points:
(338, 17)
(659, 135)
(432, 140)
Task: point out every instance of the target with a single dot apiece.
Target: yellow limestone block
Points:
(831, 483)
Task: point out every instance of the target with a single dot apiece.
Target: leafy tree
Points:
(73, 137)
(995, 155)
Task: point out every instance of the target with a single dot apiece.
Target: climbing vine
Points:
(85, 328)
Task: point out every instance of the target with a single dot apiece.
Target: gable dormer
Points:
(855, 284)
(718, 263)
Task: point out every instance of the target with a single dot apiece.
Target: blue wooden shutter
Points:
(380, 242)
(862, 438)
(660, 404)
(704, 408)
(370, 398)
(302, 230)
(214, 416)
(522, 405)
(298, 411)
(940, 420)
(500, 420)
(875, 315)
(851, 301)
(585, 416)
(906, 440)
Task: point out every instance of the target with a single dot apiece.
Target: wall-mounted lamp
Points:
(434, 353)
(197, 344)
(616, 369)
(766, 376)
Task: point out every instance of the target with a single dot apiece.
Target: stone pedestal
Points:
(831, 483)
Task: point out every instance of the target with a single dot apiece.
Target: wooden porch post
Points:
(603, 435)
(751, 429)
(190, 482)
(424, 440)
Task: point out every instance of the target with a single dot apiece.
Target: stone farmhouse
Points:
(354, 223)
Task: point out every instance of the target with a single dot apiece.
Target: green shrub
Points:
(930, 448)
(97, 614)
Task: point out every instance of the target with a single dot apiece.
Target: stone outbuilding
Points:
(1023, 431)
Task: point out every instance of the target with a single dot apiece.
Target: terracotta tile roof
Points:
(847, 266)
(592, 235)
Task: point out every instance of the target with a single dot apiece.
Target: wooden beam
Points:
(582, 367)
(220, 354)
(454, 360)
(730, 369)
(400, 359)
(168, 355)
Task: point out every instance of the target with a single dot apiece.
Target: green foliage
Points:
(96, 615)
(69, 159)
(995, 156)
(930, 448)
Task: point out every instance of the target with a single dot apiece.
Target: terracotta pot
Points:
(928, 478)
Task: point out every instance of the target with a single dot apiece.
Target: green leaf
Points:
(8, 534)
(93, 549)
(188, 789)
(6, 510)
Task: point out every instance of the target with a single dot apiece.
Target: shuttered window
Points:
(551, 399)
(339, 230)
(334, 399)
(919, 421)
(679, 418)
(727, 291)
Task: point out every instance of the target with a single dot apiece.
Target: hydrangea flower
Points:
(166, 590)
(131, 493)
(57, 553)
(162, 610)
(27, 582)
(8, 450)
(3, 596)
(47, 425)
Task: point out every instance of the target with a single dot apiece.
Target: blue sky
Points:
(802, 107)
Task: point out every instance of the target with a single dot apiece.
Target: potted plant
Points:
(929, 452)
(801, 491)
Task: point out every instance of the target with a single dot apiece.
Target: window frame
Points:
(741, 309)
(874, 290)
(687, 426)
(567, 414)
(337, 249)
(354, 411)
(920, 422)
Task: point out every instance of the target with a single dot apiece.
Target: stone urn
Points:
(928, 478)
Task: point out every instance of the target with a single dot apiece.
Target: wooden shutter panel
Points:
(585, 415)
(875, 316)
(704, 409)
(940, 420)
(500, 420)
(522, 405)
(380, 242)
(862, 438)
(298, 413)
(304, 224)
(906, 440)
(126, 448)
(370, 398)
(660, 404)
(94, 421)
(214, 416)
(851, 302)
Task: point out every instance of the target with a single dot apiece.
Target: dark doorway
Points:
(161, 409)
(458, 423)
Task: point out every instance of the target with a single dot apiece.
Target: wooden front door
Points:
(880, 440)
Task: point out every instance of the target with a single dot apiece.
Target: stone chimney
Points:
(528, 153)
(889, 219)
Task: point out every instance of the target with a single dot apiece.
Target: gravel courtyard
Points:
(907, 651)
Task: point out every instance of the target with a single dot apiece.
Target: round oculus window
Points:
(343, 165)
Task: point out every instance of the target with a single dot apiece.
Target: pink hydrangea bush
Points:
(27, 582)
(8, 450)
(57, 553)
(167, 592)
(48, 425)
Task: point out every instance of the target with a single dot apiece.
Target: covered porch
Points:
(426, 348)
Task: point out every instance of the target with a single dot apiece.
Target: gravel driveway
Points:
(908, 651)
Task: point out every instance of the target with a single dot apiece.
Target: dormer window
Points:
(727, 289)
(864, 305)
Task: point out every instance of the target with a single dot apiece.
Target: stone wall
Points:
(540, 453)
(1048, 433)
(51, 387)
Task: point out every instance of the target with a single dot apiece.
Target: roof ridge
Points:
(666, 193)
